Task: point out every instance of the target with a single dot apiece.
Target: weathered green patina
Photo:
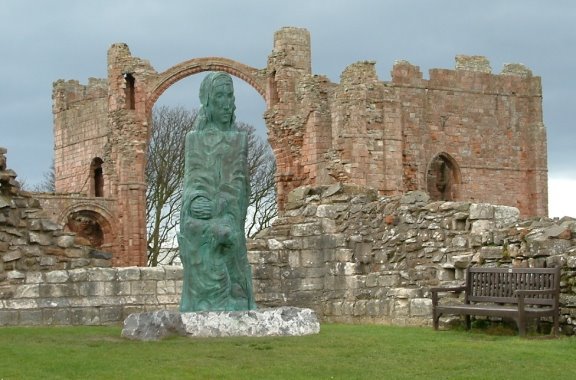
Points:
(217, 275)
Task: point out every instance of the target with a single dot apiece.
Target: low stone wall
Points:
(92, 296)
(342, 251)
(355, 257)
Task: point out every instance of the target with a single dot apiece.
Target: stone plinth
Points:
(282, 321)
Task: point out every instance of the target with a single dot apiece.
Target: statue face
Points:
(222, 102)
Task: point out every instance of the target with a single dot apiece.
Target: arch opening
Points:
(130, 91)
(443, 177)
(194, 66)
(97, 177)
(178, 83)
(89, 226)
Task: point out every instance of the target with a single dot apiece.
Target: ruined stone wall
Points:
(366, 131)
(342, 250)
(353, 256)
(96, 296)
(57, 207)
(490, 125)
(290, 114)
(81, 133)
(29, 241)
(86, 179)
(92, 219)
(101, 135)
(463, 134)
(128, 117)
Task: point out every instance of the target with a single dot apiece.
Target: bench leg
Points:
(521, 322)
(556, 326)
(435, 319)
(467, 321)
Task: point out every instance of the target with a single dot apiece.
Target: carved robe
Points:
(217, 275)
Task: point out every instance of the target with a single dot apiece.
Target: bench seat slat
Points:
(513, 300)
(494, 310)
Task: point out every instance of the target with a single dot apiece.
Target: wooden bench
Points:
(518, 293)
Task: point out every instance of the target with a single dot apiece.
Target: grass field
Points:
(338, 352)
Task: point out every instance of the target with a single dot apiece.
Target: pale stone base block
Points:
(282, 321)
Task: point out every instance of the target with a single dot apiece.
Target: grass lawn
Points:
(338, 352)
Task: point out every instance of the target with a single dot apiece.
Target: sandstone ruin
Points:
(463, 134)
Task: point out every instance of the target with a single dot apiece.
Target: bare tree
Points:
(262, 167)
(48, 182)
(164, 174)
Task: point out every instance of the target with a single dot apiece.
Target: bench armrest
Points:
(437, 290)
(448, 289)
(521, 294)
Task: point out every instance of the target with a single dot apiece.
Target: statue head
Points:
(217, 99)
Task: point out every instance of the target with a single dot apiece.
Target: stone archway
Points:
(134, 87)
(443, 178)
(163, 81)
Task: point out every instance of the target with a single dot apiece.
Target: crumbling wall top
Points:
(292, 48)
(65, 93)
(405, 73)
(291, 36)
(516, 69)
(119, 56)
(118, 52)
(359, 73)
(473, 63)
(474, 74)
(8, 183)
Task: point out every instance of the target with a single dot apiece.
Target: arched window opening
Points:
(442, 178)
(272, 94)
(87, 226)
(130, 91)
(97, 177)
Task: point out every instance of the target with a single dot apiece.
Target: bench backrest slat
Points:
(499, 284)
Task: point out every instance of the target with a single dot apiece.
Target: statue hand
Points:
(201, 208)
(224, 235)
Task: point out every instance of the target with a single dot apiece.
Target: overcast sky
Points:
(43, 41)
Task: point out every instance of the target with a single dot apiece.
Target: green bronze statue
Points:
(217, 275)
